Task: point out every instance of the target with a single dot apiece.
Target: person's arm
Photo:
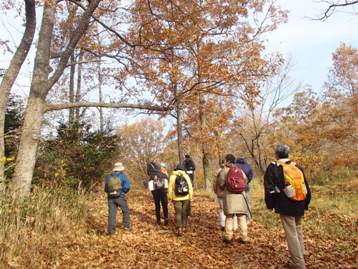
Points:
(125, 183)
(190, 187)
(309, 194)
(106, 184)
(250, 174)
(193, 165)
(270, 186)
(171, 187)
(222, 178)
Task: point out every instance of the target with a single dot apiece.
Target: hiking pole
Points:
(247, 206)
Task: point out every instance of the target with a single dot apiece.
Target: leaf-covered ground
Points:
(151, 246)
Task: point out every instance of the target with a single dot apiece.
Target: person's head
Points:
(118, 167)
(229, 159)
(187, 156)
(282, 151)
(179, 167)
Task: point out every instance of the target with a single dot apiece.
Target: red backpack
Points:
(235, 181)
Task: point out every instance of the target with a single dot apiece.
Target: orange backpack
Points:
(295, 187)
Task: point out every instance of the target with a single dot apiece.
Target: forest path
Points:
(151, 246)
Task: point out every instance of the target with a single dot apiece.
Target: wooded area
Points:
(203, 82)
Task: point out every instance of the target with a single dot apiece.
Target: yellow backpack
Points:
(295, 187)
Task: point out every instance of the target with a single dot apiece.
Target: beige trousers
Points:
(294, 237)
(222, 216)
(229, 233)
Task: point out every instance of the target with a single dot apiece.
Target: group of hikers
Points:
(286, 191)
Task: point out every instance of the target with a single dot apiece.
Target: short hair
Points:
(282, 151)
(230, 158)
(187, 156)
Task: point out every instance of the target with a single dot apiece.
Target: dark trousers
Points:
(113, 203)
(160, 196)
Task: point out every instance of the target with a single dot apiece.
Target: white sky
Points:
(310, 43)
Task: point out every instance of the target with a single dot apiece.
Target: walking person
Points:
(246, 168)
(181, 193)
(219, 196)
(189, 167)
(116, 186)
(158, 185)
(288, 193)
(233, 181)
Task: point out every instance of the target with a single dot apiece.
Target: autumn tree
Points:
(140, 143)
(48, 70)
(198, 52)
(322, 129)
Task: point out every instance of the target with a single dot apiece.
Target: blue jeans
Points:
(113, 203)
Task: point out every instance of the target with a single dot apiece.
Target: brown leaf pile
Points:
(151, 246)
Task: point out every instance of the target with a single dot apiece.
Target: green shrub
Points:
(77, 157)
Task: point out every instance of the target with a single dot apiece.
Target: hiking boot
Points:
(222, 229)
(179, 232)
(158, 222)
(127, 229)
(166, 222)
(227, 241)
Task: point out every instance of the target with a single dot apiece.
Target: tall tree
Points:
(11, 75)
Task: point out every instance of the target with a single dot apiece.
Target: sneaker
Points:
(127, 229)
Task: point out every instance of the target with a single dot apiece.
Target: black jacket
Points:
(276, 199)
(189, 164)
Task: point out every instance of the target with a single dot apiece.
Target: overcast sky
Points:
(311, 43)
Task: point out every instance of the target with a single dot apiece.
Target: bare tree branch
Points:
(332, 6)
(144, 106)
(75, 37)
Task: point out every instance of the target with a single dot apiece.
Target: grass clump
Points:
(30, 231)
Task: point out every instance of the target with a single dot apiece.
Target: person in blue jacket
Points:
(118, 199)
(246, 168)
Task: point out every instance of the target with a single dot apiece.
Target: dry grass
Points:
(332, 213)
(30, 230)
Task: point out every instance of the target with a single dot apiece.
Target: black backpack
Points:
(181, 186)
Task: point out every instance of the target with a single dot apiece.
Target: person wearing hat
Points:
(116, 186)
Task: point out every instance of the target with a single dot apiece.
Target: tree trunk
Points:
(179, 132)
(78, 91)
(71, 115)
(40, 86)
(26, 157)
(11, 75)
(100, 96)
(204, 146)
